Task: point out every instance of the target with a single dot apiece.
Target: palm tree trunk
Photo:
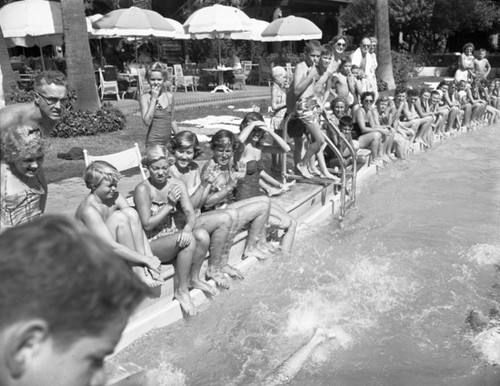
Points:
(78, 57)
(384, 44)
(8, 75)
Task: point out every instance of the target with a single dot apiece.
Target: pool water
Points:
(394, 281)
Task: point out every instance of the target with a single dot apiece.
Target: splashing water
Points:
(394, 285)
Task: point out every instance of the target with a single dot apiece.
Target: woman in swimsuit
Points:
(23, 187)
(367, 131)
(162, 203)
(157, 108)
(253, 212)
(220, 224)
(249, 151)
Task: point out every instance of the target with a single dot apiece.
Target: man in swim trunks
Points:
(344, 84)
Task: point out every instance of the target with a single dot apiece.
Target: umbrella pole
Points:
(41, 54)
(101, 53)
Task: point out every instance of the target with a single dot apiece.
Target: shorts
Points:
(306, 110)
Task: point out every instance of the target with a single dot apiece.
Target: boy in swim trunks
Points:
(106, 213)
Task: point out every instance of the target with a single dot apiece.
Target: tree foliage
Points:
(424, 22)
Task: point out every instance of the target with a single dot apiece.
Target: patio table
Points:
(220, 70)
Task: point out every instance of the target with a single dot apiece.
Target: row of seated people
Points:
(181, 212)
(388, 127)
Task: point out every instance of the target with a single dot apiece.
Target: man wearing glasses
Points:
(44, 111)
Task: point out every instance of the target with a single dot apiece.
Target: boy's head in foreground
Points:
(65, 298)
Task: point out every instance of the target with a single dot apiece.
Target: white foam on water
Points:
(211, 120)
(487, 343)
(358, 293)
(484, 254)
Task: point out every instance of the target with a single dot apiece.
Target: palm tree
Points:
(384, 44)
(7, 72)
(78, 57)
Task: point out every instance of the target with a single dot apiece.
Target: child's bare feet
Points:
(233, 272)
(185, 302)
(256, 252)
(204, 286)
(218, 276)
(145, 276)
(330, 176)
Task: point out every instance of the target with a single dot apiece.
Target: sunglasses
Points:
(52, 101)
(340, 44)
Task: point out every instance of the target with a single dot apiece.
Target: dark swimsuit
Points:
(248, 186)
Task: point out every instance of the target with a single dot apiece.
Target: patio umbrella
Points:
(291, 28)
(180, 34)
(133, 22)
(217, 22)
(257, 26)
(90, 19)
(32, 22)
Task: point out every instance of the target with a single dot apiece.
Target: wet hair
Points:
(56, 270)
(156, 67)
(223, 138)
(401, 90)
(366, 94)
(374, 40)
(326, 49)
(154, 153)
(345, 59)
(483, 50)
(97, 171)
(442, 83)
(22, 142)
(184, 140)
(468, 45)
(250, 117)
(346, 121)
(312, 45)
(383, 98)
(47, 78)
(413, 93)
(424, 90)
(277, 71)
(436, 92)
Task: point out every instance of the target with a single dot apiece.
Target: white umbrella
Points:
(133, 22)
(255, 32)
(217, 22)
(32, 22)
(291, 28)
(180, 34)
(90, 19)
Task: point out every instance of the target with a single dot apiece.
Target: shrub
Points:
(403, 65)
(86, 122)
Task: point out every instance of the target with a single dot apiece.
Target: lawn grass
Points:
(57, 169)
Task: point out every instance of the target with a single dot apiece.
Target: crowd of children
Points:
(183, 212)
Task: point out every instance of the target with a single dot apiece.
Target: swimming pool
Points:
(394, 281)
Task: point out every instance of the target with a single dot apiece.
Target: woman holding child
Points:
(160, 199)
(23, 187)
(157, 107)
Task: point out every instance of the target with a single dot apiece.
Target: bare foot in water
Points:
(204, 286)
(219, 277)
(144, 274)
(186, 303)
(233, 272)
(258, 253)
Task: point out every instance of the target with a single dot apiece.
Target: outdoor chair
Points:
(265, 73)
(181, 80)
(241, 77)
(125, 160)
(108, 82)
(170, 79)
(191, 69)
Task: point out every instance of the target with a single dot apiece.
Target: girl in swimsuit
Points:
(249, 151)
(253, 212)
(23, 187)
(157, 108)
(162, 203)
(220, 224)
